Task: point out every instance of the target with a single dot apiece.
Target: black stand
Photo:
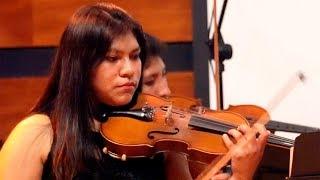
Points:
(225, 50)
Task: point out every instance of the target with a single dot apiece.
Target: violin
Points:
(156, 125)
(251, 112)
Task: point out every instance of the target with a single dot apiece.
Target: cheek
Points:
(152, 89)
(138, 68)
(102, 75)
(147, 89)
(102, 82)
(100, 89)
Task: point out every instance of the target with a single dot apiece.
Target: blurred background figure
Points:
(154, 71)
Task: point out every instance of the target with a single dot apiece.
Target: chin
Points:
(123, 100)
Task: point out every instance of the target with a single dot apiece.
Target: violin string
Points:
(215, 125)
(280, 140)
(215, 166)
(210, 124)
(275, 138)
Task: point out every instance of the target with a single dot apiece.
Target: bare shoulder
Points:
(40, 119)
(35, 128)
(34, 131)
(28, 144)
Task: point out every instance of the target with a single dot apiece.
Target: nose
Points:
(127, 69)
(164, 91)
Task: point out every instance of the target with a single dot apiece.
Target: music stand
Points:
(305, 159)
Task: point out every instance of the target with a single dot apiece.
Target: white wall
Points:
(271, 41)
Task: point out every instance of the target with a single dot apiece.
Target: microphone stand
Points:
(225, 50)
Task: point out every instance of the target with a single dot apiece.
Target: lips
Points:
(128, 87)
(128, 84)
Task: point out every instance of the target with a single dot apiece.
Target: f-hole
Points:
(151, 133)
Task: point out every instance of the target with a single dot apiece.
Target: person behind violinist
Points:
(154, 80)
(244, 163)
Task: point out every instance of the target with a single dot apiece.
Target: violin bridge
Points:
(168, 115)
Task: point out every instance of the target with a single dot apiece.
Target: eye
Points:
(112, 58)
(149, 82)
(135, 56)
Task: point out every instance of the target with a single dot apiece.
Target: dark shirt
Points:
(111, 168)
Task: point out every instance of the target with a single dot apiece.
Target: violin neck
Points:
(210, 124)
(215, 126)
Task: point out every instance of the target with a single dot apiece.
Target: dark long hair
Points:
(68, 98)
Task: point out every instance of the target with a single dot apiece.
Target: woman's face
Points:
(116, 78)
(154, 78)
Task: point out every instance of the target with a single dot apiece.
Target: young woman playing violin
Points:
(97, 66)
(244, 163)
(98, 62)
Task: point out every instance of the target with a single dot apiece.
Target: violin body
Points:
(170, 129)
(186, 103)
(179, 129)
(252, 113)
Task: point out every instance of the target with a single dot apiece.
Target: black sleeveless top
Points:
(114, 169)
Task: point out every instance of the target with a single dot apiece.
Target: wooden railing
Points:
(29, 23)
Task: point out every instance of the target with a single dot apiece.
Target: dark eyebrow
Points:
(136, 49)
(112, 50)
